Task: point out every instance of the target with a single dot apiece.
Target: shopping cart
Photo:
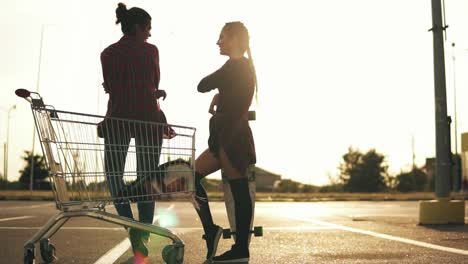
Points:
(95, 162)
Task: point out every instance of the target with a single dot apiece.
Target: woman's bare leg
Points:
(206, 164)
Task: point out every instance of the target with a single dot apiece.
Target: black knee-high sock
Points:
(202, 199)
(243, 211)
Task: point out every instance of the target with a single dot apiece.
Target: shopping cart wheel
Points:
(47, 250)
(170, 253)
(29, 256)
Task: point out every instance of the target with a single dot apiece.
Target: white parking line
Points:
(384, 236)
(15, 218)
(175, 229)
(275, 228)
(29, 206)
(113, 254)
(62, 228)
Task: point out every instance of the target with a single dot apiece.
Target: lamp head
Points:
(22, 93)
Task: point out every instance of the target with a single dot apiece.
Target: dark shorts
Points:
(235, 137)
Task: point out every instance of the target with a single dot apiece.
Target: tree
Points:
(308, 188)
(363, 172)
(40, 169)
(414, 180)
(3, 183)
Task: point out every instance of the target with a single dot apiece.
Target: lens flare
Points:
(167, 217)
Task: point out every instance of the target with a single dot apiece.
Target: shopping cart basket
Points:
(96, 161)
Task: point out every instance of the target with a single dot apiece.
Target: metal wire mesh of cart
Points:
(96, 160)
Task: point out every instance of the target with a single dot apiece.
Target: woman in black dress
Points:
(231, 144)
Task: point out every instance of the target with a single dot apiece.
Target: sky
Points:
(331, 74)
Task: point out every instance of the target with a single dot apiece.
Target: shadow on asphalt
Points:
(128, 261)
(463, 228)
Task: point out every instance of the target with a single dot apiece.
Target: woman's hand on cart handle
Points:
(214, 102)
(161, 93)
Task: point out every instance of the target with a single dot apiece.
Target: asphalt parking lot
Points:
(313, 232)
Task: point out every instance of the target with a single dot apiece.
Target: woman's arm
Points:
(157, 71)
(214, 80)
(157, 75)
(106, 70)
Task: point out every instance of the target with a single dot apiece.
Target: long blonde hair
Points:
(239, 30)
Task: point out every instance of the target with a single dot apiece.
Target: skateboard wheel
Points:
(258, 231)
(226, 233)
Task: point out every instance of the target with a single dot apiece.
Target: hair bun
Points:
(121, 12)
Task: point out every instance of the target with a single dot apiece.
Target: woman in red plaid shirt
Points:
(131, 78)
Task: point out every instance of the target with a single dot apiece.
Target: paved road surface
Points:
(317, 232)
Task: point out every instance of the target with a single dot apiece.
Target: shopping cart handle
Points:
(22, 93)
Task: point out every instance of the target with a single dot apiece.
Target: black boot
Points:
(239, 252)
(212, 232)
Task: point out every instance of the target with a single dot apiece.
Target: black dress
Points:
(229, 127)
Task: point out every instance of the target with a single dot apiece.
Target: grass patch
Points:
(26, 195)
(310, 197)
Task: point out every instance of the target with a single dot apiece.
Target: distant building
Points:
(265, 180)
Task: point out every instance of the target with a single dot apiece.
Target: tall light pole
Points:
(413, 153)
(443, 166)
(455, 100)
(442, 210)
(31, 174)
(5, 166)
(456, 163)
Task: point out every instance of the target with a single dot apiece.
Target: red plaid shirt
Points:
(131, 77)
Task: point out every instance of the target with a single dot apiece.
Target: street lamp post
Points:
(443, 162)
(456, 161)
(31, 174)
(5, 166)
(455, 99)
(4, 159)
(442, 210)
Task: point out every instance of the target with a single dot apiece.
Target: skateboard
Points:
(229, 202)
